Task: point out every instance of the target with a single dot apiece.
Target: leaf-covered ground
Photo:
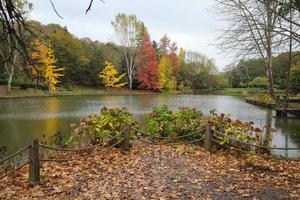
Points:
(161, 172)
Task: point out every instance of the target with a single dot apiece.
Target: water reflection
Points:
(24, 119)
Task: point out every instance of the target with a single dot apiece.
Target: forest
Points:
(144, 63)
(141, 116)
(57, 58)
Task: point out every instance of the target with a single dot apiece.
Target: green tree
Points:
(295, 79)
(259, 82)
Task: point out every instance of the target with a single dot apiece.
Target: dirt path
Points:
(161, 172)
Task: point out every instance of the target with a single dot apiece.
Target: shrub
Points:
(163, 122)
(295, 79)
(241, 131)
(160, 121)
(265, 98)
(259, 82)
(96, 129)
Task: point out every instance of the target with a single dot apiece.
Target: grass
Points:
(75, 91)
(240, 91)
(80, 90)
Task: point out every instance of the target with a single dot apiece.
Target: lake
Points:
(26, 118)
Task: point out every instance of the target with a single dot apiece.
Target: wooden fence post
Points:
(34, 164)
(125, 144)
(207, 138)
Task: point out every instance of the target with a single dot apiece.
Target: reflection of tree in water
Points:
(268, 127)
(3, 151)
(289, 126)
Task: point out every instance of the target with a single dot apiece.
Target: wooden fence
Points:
(36, 153)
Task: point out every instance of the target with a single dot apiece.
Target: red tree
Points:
(164, 45)
(174, 58)
(147, 65)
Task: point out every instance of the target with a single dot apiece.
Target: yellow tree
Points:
(37, 56)
(110, 78)
(166, 79)
(44, 59)
(51, 72)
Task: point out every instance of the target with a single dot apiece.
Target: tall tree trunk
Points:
(288, 70)
(9, 80)
(269, 40)
(10, 69)
(270, 75)
(130, 80)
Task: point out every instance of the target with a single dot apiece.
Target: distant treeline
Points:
(251, 73)
(83, 59)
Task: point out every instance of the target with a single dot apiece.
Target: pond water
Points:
(27, 118)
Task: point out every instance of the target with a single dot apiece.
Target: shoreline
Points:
(86, 91)
(32, 93)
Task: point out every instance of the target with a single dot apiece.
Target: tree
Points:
(164, 45)
(259, 81)
(166, 79)
(12, 31)
(128, 28)
(44, 65)
(147, 65)
(295, 79)
(109, 76)
(51, 72)
(174, 59)
(252, 31)
(71, 54)
(38, 56)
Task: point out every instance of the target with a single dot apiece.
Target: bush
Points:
(265, 98)
(295, 79)
(242, 131)
(97, 129)
(163, 122)
(259, 82)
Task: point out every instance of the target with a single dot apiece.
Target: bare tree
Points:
(251, 31)
(127, 28)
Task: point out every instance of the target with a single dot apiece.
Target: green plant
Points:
(265, 98)
(160, 121)
(163, 122)
(235, 130)
(259, 82)
(188, 120)
(97, 129)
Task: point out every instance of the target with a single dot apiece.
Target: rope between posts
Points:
(176, 143)
(160, 137)
(82, 157)
(254, 145)
(264, 156)
(231, 147)
(15, 154)
(17, 169)
(188, 142)
(79, 149)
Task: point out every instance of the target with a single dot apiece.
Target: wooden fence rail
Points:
(35, 157)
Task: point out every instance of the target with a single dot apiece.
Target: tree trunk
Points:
(10, 70)
(10, 76)
(130, 82)
(269, 40)
(270, 76)
(288, 70)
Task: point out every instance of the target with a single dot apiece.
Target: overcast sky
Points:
(190, 23)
